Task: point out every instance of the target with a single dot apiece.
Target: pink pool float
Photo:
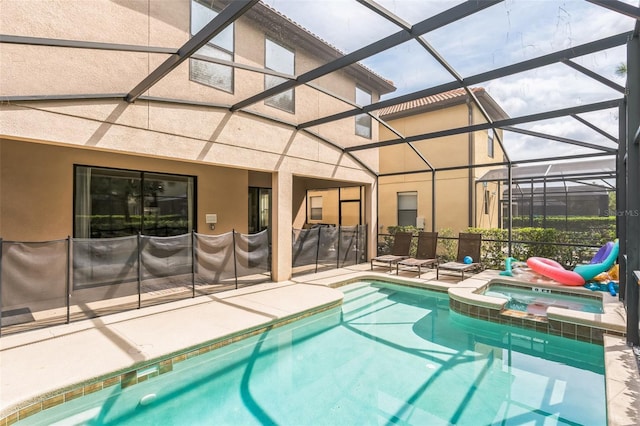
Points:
(552, 269)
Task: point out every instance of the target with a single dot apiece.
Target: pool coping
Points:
(260, 298)
(468, 298)
(621, 367)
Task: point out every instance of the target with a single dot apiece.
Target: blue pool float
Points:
(603, 253)
(590, 271)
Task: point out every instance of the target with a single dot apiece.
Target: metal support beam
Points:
(77, 97)
(451, 15)
(433, 52)
(509, 209)
(505, 163)
(560, 139)
(500, 123)
(596, 128)
(433, 201)
(82, 44)
(618, 6)
(631, 213)
(353, 157)
(594, 75)
(552, 58)
(436, 55)
(225, 18)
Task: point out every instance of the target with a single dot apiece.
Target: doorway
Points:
(259, 209)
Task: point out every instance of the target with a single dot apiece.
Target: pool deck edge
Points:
(50, 366)
(260, 304)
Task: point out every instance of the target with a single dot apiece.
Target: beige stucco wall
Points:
(329, 206)
(451, 199)
(41, 70)
(331, 209)
(452, 187)
(37, 189)
(216, 145)
(440, 152)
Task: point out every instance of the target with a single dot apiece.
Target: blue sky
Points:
(503, 34)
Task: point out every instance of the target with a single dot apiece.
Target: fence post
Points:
(357, 245)
(69, 275)
(318, 247)
(338, 248)
(366, 242)
(235, 267)
(0, 286)
(193, 263)
(139, 271)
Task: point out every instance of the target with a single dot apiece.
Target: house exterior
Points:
(83, 155)
(406, 192)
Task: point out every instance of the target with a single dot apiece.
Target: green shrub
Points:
(527, 242)
(447, 245)
(388, 239)
(540, 242)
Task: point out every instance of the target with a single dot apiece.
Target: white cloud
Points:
(506, 33)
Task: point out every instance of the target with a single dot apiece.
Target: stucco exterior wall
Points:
(37, 189)
(452, 187)
(42, 70)
(201, 139)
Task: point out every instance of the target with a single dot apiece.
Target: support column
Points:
(282, 224)
(621, 197)
(509, 209)
(632, 213)
(371, 218)
(433, 201)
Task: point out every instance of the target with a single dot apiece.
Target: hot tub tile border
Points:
(569, 330)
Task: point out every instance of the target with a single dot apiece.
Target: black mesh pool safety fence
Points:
(328, 247)
(56, 282)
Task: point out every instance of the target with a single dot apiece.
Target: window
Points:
(280, 59)
(407, 208)
(363, 121)
(490, 143)
(486, 201)
(114, 203)
(316, 208)
(220, 47)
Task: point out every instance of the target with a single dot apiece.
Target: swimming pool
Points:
(536, 300)
(390, 354)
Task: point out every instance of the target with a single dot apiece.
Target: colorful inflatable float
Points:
(552, 269)
(601, 262)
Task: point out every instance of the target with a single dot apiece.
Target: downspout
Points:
(471, 162)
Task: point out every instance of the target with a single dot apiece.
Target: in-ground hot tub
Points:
(536, 300)
(550, 308)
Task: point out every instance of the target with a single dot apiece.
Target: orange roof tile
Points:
(428, 101)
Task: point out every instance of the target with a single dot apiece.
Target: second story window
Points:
(363, 121)
(281, 59)
(219, 47)
(490, 143)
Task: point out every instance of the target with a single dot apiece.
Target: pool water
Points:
(389, 355)
(537, 302)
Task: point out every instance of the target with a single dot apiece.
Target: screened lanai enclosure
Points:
(562, 127)
(548, 195)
